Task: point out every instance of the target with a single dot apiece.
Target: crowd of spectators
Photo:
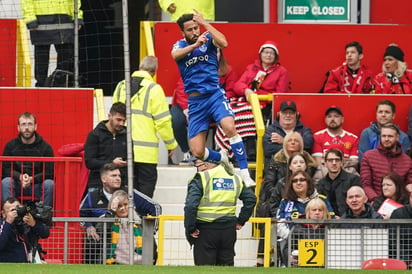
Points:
(327, 174)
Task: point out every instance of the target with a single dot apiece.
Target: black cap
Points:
(395, 52)
(287, 105)
(333, 108)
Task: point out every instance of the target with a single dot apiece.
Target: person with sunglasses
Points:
(299, 190)
(274, 184)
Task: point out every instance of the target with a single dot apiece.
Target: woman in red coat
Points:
(395, 77)
(264, 76)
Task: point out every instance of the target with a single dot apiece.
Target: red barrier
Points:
(54, 245)
(64, 116)
(67, 190)
(359, 110)
(307, 51)
(393, 12)
(8, 36)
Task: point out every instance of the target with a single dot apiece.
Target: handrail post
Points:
(148, 240)
(260, 131)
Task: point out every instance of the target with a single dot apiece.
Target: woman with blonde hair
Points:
(278, 165)
(299, 191)
(271, 195)
(118, 252)
(395, 78)
(316, 209)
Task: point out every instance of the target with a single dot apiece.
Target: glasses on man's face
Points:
(331, 160)
(298, 180)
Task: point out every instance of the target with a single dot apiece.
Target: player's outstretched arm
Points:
(219, 38)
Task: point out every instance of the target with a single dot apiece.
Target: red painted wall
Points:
(307, 51)
(8, 52)
(64, 116)
(391, 12)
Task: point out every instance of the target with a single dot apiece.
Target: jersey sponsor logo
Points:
(223, 184)
(196, 59)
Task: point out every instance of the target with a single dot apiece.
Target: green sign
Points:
(316, 10)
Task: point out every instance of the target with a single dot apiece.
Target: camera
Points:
(38, 210)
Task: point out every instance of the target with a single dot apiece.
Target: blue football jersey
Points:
(198, 68)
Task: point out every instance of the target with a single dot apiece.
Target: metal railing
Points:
(65, 171)
(345, 243)
(337, 244)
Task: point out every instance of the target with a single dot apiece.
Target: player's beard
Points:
(192, 40)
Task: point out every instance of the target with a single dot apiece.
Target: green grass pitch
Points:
(122, 269)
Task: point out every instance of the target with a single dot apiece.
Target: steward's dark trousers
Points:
(145, 178)
(215, 246)
(65, 54)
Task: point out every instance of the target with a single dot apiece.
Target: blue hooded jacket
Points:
(371, 137)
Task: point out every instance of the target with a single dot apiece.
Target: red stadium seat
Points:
(384, 263)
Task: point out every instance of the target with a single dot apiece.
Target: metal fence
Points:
(338, 244)
(345, 244)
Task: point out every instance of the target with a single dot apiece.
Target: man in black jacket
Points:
(337, 182)
(23, 176)
(106, 143)
(358, 206)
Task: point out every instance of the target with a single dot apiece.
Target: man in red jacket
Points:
(387, 157)
(351, 76)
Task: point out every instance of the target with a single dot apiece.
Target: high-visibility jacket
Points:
(50, 22)
(205, 7)
(220, 194)
(150, 115)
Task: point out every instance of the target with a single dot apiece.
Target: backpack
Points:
(60, 78)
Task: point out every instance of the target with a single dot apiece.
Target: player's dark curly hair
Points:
(184, 18)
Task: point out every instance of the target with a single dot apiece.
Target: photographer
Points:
(19, 232)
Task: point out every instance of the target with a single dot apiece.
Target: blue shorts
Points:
(205, 109)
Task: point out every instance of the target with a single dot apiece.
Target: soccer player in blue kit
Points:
(196, 57)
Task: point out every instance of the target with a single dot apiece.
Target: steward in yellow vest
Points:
(210, 213)
(150, 118)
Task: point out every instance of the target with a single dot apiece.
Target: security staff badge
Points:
(225, 184)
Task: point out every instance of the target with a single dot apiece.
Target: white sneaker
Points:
(247, 181)
(226, 163)
(188, 159)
